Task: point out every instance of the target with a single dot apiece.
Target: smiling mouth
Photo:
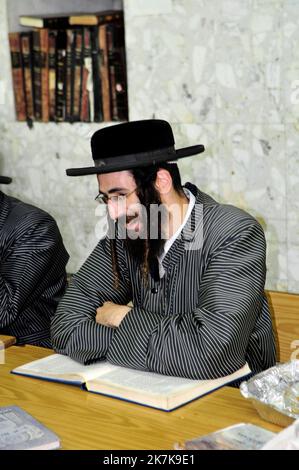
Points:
(133, 225)
(131, 218)
(132, 222)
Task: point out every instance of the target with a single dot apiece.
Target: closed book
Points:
(70, 19)
(96, 75)
(86, 77)
(60, 92)
(241, 436)
(52, 73)
(89, 68)
(94, 19)
(69, 72)
(20, 431)
(17, 75)
(41, 74)
(27, 58)
(77, 76)
(117, 72)
(47, 21)
(145, 388)
(104, 71)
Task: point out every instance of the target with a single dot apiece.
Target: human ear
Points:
(163, 182)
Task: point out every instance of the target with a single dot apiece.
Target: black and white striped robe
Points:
(208, 316)
(32, 271)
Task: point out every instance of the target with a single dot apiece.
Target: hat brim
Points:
(5, 180)
(119, 165)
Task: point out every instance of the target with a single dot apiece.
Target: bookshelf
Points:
(36, 158)
(15, 8)
(68, 73)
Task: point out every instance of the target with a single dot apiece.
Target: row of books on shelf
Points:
(70, 72)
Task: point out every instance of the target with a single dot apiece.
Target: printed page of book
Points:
(147, 382)
(62, 367)
(146, 388)
(153, 389)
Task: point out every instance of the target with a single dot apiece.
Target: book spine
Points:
(78, 70)
(89, 86)
(17, 76)
(56, 22)
(36, 76)
(120, 77)
(41, 80)
(98, 109)
(104, 71)
(85, 97)
(111, 66)
(69, 71)
(44, 64)
(117, 72)
(52, 73)
(26, 47)
(60, 97)
(110, 17)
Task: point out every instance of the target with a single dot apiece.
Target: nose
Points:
(115, 209)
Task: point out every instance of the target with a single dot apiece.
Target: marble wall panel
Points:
(225, 73)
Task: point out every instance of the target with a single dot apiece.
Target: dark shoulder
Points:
(222, 221)
(20, 210)
(24, 221)
(225, 224)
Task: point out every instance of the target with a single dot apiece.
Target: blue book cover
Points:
(20, 431)
(143, 387)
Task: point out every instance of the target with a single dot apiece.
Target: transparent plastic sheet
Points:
(275, 393)
(288, 439)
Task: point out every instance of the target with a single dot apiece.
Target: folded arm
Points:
(75, 331)
(211, 341)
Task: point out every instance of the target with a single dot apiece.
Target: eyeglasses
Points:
(120, 198)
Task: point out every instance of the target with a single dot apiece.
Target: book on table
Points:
(20, 431)
(142, 387)
(241, 436)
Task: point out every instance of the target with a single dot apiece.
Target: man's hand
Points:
(111, 314)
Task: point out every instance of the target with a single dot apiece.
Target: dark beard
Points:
(138, 248)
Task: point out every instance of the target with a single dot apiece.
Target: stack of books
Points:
(70, 68)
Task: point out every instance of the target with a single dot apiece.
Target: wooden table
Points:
(6, 341)
(84, 420)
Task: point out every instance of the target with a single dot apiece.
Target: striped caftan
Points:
(32, 271)
(205, 317)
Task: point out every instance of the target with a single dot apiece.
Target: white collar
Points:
(172, 239)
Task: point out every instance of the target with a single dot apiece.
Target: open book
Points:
(146, 388)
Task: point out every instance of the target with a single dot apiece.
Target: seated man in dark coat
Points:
(194, 274)
(32, 270)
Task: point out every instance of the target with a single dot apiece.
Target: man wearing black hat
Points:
(193, 269)
(32, 270)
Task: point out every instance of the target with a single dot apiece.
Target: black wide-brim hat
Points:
(5, 180)
(133, 144)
